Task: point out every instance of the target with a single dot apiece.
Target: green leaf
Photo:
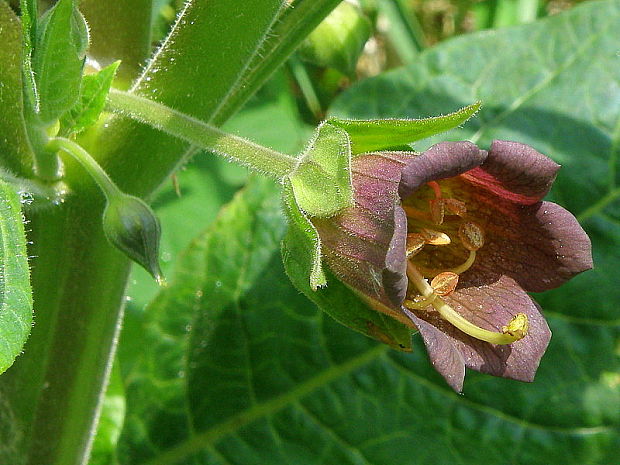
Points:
(381, 134)
(62, 39)
(15, 152)
(15, 292)
(339, 40)
(322, 181)
(271, 380)
(85, 113)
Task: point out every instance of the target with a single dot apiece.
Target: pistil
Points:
(515, 330)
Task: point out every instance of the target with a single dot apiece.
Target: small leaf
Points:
(322, 182)
(15, 292)
(62, 39)
(339, 40)
(85, 113)
(381, 134)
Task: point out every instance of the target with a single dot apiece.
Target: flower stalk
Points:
(262, 159)
(515, 330)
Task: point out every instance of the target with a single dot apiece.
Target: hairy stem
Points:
(203, 135)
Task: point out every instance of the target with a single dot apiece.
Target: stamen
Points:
(436, 206)
(445, 283)
(433, 237)
(436, 188)
(466, 265)
(455, 206)
(419, 304)
(416, 214)
(471, 235)
(415, 242)
(515, 330)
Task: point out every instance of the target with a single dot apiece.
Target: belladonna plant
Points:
(446, 243)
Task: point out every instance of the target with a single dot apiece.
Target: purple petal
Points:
(443, 160)
(491, 307)
(444, 354)
(516, 172)
(540, 246)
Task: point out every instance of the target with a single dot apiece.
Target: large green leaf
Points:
(15, 292)
(271, 380)
(554, 85)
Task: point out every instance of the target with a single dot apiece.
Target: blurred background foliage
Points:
(382, 406)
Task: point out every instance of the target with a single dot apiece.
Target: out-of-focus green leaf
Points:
(15, 292)
(15, 152)
(62, 40)
(95, 88)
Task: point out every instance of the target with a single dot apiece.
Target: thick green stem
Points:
(203, 135)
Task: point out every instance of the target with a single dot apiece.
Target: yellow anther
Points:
(436, 207)
(433, 237)
(415, 242)
(445, 283)
(515, 330)
(471, 235)
(517, 327)
(455, 206)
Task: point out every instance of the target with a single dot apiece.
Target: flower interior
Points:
(444, 234)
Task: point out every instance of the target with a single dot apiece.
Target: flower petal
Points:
(540, 246)
(443, 160)
(492, 306)
(365, 244)
(444, 354)
(516, 172)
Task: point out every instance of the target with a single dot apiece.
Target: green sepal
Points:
(16, 295)
(303, 240)
(382, 134)
(322, 181)
(85, 113)
(339, 40)
(133, 228)
(59, 53)
(301, 254)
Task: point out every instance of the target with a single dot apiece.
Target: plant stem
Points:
(90, 165)
(175, 123)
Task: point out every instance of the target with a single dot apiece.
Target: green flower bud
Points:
(132, 227)
(339, 40)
